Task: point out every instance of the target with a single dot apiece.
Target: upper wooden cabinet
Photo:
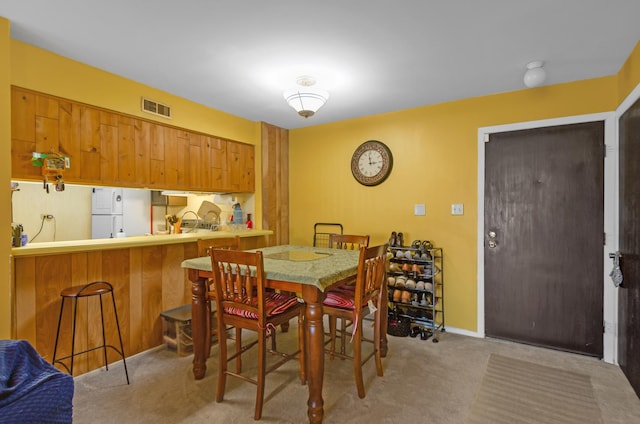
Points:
(110, 148)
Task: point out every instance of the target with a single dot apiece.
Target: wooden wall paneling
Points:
(173, 277)
(90, 144)
(171, 168)
(195, 157)
(136, 301)
(190, 251)
(115, 270)
(69, 138)
(275, 183)
(79, 277)
(25, 304)
(152, 295)
(93, 272)
(53, 273)
(142, 146)
(126, 151)
(157, 155)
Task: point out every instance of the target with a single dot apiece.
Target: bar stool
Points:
(96, 288)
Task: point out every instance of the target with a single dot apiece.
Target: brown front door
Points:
(544, 220)
(629, 244)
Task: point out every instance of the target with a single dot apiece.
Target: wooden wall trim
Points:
(275, 183)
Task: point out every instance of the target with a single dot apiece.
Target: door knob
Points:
(492, 244)
(492, 234)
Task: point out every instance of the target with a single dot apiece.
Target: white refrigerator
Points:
(118, 212)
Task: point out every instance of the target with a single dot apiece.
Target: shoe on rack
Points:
(400, 240)
(424, 334)
(393, 239)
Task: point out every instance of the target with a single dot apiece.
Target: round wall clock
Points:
(371, 163)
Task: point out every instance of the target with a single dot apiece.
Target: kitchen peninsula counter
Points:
(146, 275)
(57, 247)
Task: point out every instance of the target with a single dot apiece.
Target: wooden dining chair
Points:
(348, 241)
(345, 242)
(355, 303)
(204, 248)
(243, 302)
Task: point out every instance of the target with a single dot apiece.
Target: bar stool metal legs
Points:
(96, 288)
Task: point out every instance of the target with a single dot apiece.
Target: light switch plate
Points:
(457, 209)
(419, 209)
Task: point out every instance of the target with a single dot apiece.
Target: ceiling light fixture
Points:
(305, 98)
(535, 75)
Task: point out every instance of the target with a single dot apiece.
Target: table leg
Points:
(314, 334)
(198, 323)
(384, 315)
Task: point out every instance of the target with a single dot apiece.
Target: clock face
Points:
(371, 163)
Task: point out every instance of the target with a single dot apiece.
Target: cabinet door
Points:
(156, 155)
(109, 153)
(240, 162)
(126, 150)
(219, 168)
(90, 144)
(69, 137)
(195, 157)
(142, 149)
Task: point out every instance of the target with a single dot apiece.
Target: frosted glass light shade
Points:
(306, 100)
(535, 75)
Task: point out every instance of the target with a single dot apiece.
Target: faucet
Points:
(197, 220)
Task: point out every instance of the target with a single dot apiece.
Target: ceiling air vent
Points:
(156, 108)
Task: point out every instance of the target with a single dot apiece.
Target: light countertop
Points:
(54, 247)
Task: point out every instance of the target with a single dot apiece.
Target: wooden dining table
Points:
(306, 270)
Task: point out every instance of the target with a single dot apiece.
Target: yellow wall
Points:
(435, 163)
(5, 177)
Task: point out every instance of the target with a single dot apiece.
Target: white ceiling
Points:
(373, 56)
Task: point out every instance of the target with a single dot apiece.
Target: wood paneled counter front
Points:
(147, 279)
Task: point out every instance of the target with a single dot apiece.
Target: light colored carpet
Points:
(423, 382)
(521, 392)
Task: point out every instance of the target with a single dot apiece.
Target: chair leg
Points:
(377, 341)
(115, 312)
(302, 343)
(357, 358)
(207, 342)
(238, 350)
(222, 362)
(343, 335)
(73, 334)
(104, 339)
(262, 358)
(55, 346)
(332, 335)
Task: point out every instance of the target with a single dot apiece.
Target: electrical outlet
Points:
(457, 209)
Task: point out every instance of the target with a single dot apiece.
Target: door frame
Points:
(610, 295)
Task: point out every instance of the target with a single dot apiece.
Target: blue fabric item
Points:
(31, 389)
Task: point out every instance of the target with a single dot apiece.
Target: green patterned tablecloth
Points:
(316, 266)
